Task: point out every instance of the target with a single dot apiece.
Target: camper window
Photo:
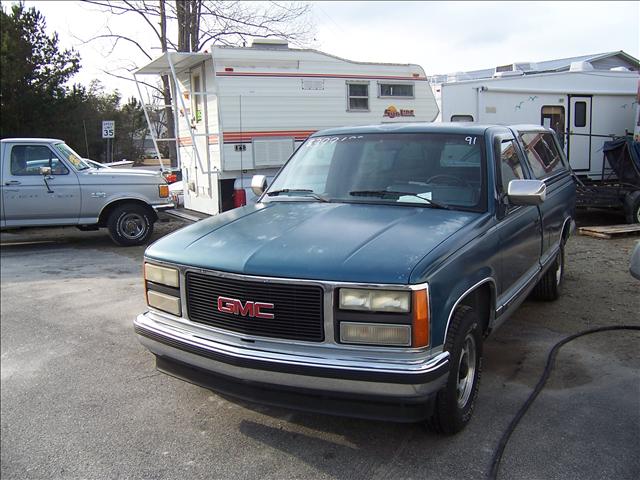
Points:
(358, 96)
(580, 114)
(197, 99)
(552, 116)
(461, 118)
(395, 90)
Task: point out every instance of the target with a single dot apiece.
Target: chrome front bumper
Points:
(342, 374)
(163, 206)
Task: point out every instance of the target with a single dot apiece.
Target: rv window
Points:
(542, 154)
(358, 96)
(509, 162)
(552, 116)
(395, 90)
(461, 118)
(580, 111)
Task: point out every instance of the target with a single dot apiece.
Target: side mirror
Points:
(526, 192)
(258, 184)
(45, 171)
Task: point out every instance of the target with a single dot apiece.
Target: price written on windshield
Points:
(108, 128)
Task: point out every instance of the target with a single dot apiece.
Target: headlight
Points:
(162, 288)
(414, 331)
(162, 275)
(375, 300)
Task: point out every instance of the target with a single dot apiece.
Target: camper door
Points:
(580, 132)
(202, 195)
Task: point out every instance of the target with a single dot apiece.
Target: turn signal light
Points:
(420, 321)
(163, 190)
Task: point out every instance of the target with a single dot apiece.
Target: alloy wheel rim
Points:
(132, 226)
(466, 371)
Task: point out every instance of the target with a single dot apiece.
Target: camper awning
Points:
(181, 61)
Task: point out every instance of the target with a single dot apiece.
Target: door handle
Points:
(12, 182)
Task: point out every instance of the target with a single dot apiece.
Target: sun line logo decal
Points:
(392, 112)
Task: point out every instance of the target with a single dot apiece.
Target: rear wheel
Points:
(130, 224)
(550, 285)
(456, 401)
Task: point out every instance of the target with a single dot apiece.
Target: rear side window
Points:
(509, 164)
(542, 154)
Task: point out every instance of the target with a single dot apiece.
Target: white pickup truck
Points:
(45, 183)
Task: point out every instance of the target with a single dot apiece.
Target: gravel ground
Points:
(81, 398)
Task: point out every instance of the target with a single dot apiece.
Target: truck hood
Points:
(309, 240)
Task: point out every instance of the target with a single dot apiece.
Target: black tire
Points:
(549, 286)
(130, 224)
(456, 401)
(632, 207)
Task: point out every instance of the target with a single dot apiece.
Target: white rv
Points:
(584, 105)
(243, 111)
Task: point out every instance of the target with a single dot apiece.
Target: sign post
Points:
(108, 133)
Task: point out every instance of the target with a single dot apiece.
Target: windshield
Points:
(70, 156)
(426, 169)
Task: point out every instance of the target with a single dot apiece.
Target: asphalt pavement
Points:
(80, 397)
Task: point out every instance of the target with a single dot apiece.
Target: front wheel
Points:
(130, 224)
(456, 401)
(632, 207)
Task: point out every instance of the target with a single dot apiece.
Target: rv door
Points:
(579, 151)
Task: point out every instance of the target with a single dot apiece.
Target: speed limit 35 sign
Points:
(108, 128)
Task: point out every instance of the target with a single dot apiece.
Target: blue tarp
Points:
(623, 154)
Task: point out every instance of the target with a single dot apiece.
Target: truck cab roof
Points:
(445, 127)
(31, 140)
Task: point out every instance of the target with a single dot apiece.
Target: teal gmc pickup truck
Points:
(364, 280)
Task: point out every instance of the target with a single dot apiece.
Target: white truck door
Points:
(26, 199)
(579, 152)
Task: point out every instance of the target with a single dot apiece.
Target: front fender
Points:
(458, 273)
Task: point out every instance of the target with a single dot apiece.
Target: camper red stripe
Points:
(299, 135)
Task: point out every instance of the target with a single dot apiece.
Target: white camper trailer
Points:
(585, 106)
(244, 110)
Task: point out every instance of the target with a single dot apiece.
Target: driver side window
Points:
(509, 164)
(27, 160)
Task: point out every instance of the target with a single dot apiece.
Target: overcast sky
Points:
(442, 37)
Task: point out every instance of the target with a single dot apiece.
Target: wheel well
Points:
(482, 300)
(106, 211)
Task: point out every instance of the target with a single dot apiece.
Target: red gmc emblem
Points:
(246, 309)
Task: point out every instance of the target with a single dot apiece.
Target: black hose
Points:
(551, 358)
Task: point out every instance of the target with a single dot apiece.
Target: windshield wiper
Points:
(303, 191)
(384, 193)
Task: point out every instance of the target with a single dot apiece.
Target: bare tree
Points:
(191, 25)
